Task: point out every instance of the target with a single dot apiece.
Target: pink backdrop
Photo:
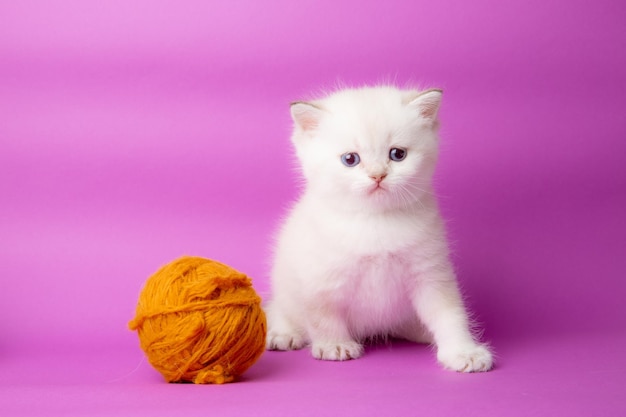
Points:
(132, 132)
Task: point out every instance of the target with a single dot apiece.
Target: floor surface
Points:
(580, 375)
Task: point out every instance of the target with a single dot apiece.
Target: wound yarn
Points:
(200, 321)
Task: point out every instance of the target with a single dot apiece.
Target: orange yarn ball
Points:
(200, 321)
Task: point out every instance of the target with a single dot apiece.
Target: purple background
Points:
(132, 132)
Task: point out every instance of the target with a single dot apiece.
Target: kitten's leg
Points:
(440, 307)
(330, 337)
(282, 333)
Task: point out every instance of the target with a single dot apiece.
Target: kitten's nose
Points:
(378, 177)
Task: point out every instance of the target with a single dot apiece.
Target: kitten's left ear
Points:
(426, 103)
(306, 115)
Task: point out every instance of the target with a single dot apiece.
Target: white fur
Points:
(355, 260)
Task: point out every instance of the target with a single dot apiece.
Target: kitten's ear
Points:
(306, 115)
(426, 103)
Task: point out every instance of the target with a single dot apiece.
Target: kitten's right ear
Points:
(426, 103)
(306, 115)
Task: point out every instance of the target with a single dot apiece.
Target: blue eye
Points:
(397, 154)
(350, 159)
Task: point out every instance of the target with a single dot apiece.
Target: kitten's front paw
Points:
(277, 341)
(337, 351)
(474, 358)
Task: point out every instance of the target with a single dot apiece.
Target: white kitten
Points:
(363, 252)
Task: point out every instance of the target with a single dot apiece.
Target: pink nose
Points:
(378, 178)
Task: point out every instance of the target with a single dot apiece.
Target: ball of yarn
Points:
(200, 321)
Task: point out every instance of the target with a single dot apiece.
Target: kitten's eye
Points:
(397, 154)
(350, 159)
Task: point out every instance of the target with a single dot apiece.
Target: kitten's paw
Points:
(337, 351)
(276, 341)
(474, 358)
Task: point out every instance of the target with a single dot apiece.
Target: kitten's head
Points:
(374, 146)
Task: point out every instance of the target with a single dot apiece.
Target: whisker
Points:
(428, 185)
(418, 188)
(407, 196)
(400, 197)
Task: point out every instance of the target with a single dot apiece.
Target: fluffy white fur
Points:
(363, 252)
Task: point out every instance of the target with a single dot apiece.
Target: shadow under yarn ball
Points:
(200, 321)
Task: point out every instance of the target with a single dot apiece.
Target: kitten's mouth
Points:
(376, 189)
